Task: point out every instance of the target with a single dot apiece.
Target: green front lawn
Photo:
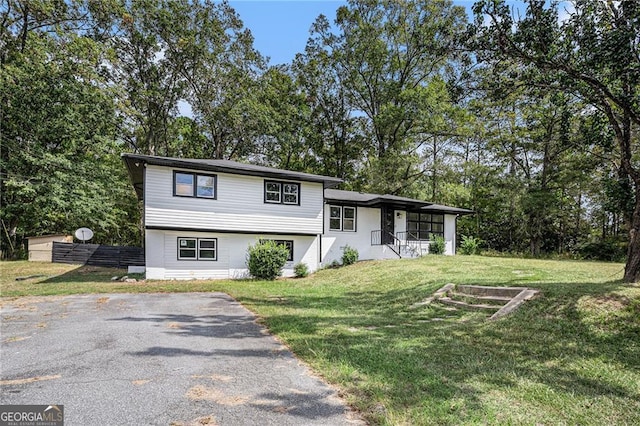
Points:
(570, 356)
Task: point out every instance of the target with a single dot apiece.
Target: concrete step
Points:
(449, 301)
(477, 290)
(523, 296)
(491, 298)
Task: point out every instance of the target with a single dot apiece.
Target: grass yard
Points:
(570, 356)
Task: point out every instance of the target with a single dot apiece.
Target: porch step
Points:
(450, 301)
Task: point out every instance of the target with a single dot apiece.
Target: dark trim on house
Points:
(226, 231)
(195, 185)
(440, 209)
(282, 184)
(197, 249)
(363, 199)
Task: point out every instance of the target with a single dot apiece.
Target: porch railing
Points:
(410, 239)
(380, 237)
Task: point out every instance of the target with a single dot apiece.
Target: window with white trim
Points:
(348, 218)
(342, 218)
(186, 184)
(335, 218)
(281, 192)
(197, 248)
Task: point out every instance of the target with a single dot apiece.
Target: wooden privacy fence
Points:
(98, 255)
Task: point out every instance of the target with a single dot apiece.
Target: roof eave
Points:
(328, 182)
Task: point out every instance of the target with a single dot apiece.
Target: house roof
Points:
(376, 200)
(438, 208)
(134, 164)
(371, 200)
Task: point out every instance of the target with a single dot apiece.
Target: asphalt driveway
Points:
(156, 359)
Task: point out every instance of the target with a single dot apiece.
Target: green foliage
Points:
(609, 249)
(469, 245)
(349, 255)
(437, 245)
(60, 155)
(389, 59)
(266, 259)
(591, 54)
(301, 270)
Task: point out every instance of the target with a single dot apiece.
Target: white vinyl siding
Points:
(240, 205)
(163, 263)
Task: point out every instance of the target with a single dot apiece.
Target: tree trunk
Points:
(632, 268)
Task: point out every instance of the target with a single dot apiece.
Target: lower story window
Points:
(288, 244)
(342, 218)
(197, 248)
(424, 226)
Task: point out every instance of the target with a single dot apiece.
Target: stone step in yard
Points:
(470, 297)
(461, 304)
(501, 300)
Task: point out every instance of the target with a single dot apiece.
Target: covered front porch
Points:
(386, 226)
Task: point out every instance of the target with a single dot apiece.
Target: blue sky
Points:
(281, 27)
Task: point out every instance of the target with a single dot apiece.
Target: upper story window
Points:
(424, 226)
(187, 184)
(281, 192)
(342, 218)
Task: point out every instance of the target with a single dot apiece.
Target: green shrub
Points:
(470, 245)
(333, 265)
(436, 246)
(301, 270)
(608, 249)
(266, 259)
(349, 255)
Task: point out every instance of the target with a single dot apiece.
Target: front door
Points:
(388, 230)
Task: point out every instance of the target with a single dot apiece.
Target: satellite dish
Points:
(84, 234)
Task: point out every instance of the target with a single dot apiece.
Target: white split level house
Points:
(200, 216)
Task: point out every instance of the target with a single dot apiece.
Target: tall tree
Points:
(59, 162)
(207, 44)
(593, 53)
(334, 134)
(387, 54)
(150, 84)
